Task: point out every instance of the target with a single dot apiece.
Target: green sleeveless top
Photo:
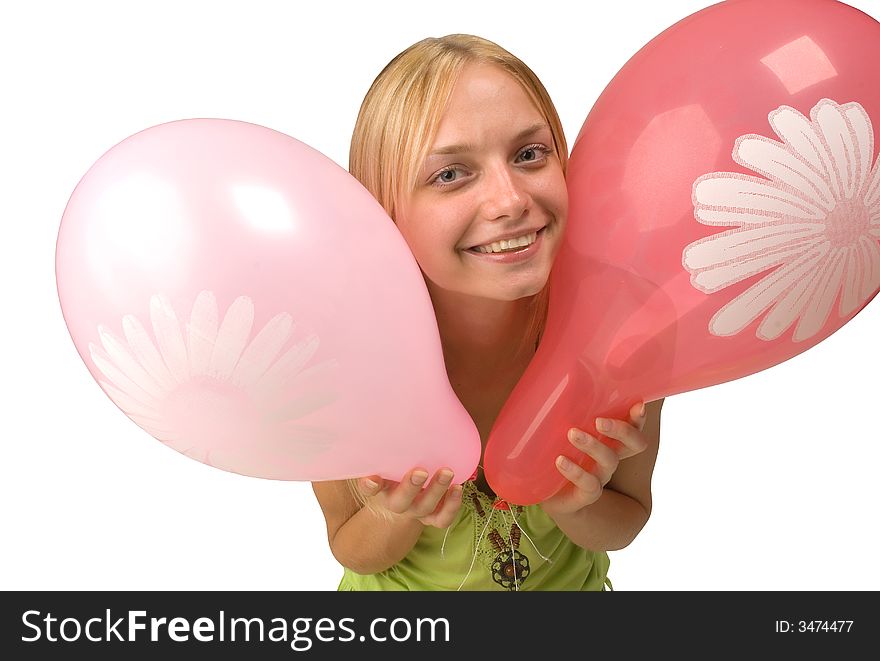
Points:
(491, 546)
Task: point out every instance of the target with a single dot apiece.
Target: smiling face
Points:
(489, 207)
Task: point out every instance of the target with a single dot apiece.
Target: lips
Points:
(517, 255)
(509, 243)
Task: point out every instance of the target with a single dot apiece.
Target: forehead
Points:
(485, 98)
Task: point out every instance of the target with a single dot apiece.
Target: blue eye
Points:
(448, 176)
(533, 154)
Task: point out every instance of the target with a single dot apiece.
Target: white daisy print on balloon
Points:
(211, 392)
(811, 222)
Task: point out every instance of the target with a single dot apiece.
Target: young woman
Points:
(461, 144)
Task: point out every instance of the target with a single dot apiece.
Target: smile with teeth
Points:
(510, 245)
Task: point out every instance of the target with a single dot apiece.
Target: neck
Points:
(483, 333)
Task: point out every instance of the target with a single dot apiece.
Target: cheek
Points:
(561, 188)
(561, 198)
(554, 196)
(431, 232)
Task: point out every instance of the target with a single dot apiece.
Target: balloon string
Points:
(443, 545)
(476, 549)
(523, 530)
(480, 539)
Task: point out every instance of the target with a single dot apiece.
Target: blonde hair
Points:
(401, 112)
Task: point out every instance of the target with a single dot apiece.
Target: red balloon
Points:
(724, 217)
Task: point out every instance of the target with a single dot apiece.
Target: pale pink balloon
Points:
(246, 301)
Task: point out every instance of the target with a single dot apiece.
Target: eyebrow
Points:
(465, 147)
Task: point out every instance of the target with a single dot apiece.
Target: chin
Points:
(524, 291)
(528, 294)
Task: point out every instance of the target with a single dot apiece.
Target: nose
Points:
(505, 195)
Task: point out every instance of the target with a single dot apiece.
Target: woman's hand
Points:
(433, 505)
(585, 486)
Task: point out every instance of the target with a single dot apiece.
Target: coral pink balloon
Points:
(246, 301)
(724, 217)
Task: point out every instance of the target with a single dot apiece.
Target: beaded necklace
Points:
(498, 522)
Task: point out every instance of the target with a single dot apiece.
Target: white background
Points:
(768, 482)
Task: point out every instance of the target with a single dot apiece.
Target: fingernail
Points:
(642, 410)
(418, 478)
(444, 477)
(563, 462)
(579, 437)
(456, 491)
(603, 424)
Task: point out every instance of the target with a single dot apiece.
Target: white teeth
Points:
(512, 244)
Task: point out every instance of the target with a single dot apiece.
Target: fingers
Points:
(399, 498)
(629, 435)
(624, 439)
(411, 496)
(587, 484)
(638, 414)
(370, 486)
(428, 500)
(606, 458)
(444, 515)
